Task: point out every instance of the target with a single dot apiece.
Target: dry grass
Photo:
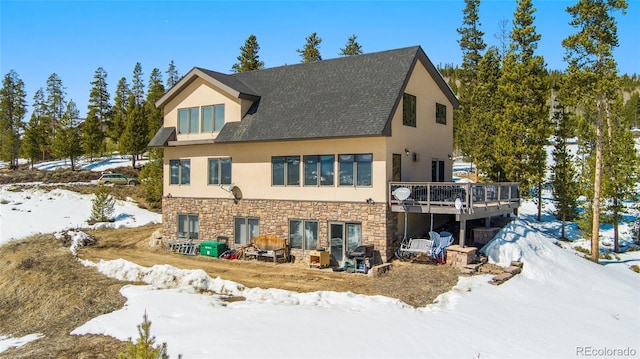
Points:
(43, 289)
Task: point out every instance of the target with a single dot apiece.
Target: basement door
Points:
(343, 237)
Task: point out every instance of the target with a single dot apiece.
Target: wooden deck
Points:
(474, 200)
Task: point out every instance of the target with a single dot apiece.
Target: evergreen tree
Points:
(145, 346)
(67, 140)
(103, 205)
(156, 90)
(311, 50)
(35, 142)
(151, 180)
(621, 169)
(566, 188)
(524, 127)
(155, 115)
(55, 101)
(248, 60)
(13, 107)
(134, 138)
(98, 116)
(472, 46)
(485, 113)
(120, 105)
(172, 75)
(592, 70)
(352, 47)
(632, 110)
(137, 85)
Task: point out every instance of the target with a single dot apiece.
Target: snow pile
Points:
(76, 240)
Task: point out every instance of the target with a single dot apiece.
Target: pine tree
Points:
(137, 85)
(311, 50)
(98, 116)
(145, 346)
(155, 115)
(524, 127)
(121, 103)
(352, 47)
(485, 114)
(592, 70)
(566, 188)
(621, 169)
(151, 180)
(248, 60)
(67, 140)
(103, 205)
(134, 138)
(472, 46)
(172, 75)
(13, 107)
(55, 101)
(35, 141)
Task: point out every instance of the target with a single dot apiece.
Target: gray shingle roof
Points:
(344, 97)
(163, 136)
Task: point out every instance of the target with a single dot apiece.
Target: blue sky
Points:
(74, 38)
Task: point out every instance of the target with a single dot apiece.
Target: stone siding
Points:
(216, 217)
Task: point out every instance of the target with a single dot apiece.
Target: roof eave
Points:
(190, 77)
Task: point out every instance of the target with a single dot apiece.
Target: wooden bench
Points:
(267, 247)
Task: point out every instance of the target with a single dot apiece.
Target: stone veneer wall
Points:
(216, 216)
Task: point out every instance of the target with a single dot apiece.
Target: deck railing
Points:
(468, 195)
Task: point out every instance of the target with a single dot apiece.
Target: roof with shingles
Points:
(344, 97)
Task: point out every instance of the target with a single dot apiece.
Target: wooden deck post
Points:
(463, 224)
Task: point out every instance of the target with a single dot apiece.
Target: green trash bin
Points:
(212, 249)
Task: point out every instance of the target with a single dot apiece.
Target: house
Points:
(306, 152)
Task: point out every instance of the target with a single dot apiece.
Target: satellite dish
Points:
(458, 203)
(401, 193)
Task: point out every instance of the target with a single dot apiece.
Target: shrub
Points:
(103, 205)
(151, 180)
(145, 346)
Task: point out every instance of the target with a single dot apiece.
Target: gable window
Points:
(212, 118)
(303, 234)
(219, 171)
(322, 165)
(188, 226)
(180, 171)
(188, 121)
(355, 170)
(441, 113)
(245, 228)
(285, 171)
(409, 110)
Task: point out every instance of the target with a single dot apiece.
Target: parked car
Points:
(117, 178)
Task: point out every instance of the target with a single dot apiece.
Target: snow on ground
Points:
(7, 342)
(38, 210)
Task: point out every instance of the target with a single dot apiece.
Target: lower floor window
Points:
(303, 234)
(245, 228)
(188, 226)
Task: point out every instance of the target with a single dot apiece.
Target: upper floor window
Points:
(219, 171)
(441, 113)
(212, 118)
(409, 110)
(319, 170)
(180, 171)
(285, 171)
(188, 120)
(355, 167)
